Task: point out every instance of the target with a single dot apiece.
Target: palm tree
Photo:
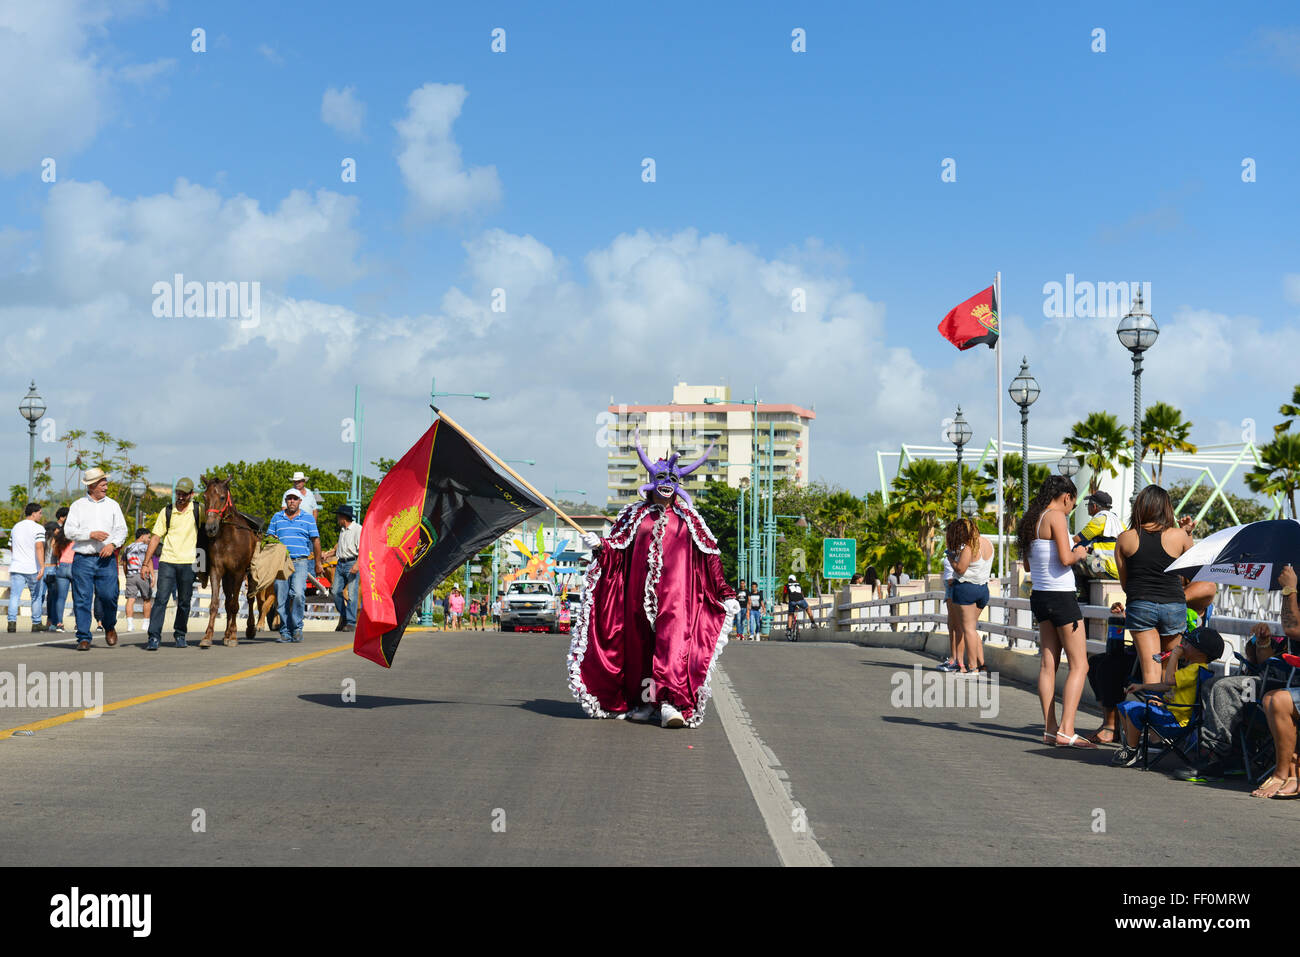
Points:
(1164, 430)
(1101, 443)
(838, 514)
(1012, 470)
(924, 487)
(1289, 409)
(1280, 473)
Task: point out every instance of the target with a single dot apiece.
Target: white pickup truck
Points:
(530, 604)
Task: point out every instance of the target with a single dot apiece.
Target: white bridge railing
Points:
(1008, 620)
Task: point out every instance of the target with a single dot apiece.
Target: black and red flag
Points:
(434, 510)
(975, 321)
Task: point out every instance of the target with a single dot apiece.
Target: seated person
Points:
(1181, 681)
(1098, 536)
(1282, 707)
(1109, 673)
(1225, 698)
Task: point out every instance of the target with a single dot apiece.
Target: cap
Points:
(793, 579)
(293, 493)
(185, 485)
(1102, 499)
(298, 477)
(1206, 640)
(92, 476)
(345, 511)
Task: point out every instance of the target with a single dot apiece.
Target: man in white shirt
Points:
(27, 567)
(344, 587)
(96, 528)
(307, 496)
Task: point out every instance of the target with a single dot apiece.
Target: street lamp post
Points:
(138, 488)
(426, 609)
(958, 434)
(969, 505)
(1137, 333)
(1067, 465)
(1024, 392)
(754, 540)
(31, 408)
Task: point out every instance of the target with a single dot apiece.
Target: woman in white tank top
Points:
(1045, 552)
(970, 589)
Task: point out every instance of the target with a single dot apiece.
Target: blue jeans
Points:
(755, 621)
(740, 622)
(94, 581)
(344, 591)
(1168, 618)
(291, 598)
(35, 586)
(57, 582)
(177, 579)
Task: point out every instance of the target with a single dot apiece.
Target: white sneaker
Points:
(642, 713)
(670, 717)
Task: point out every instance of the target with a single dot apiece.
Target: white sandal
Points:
(1074, 741)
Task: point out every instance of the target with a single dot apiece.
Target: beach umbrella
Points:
(1249, 555)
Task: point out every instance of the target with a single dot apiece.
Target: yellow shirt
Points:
(178, 544)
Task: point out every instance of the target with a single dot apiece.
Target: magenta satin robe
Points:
(652, 622)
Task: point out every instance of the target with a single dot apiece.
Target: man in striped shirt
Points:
(297, 530)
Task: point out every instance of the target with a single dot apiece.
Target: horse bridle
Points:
(225, 508)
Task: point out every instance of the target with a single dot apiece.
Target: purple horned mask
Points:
(666, 474)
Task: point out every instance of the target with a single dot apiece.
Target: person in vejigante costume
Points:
(655, 608)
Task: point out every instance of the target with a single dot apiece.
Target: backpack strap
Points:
(169, 519)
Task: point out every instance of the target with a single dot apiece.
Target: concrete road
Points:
(471, 751)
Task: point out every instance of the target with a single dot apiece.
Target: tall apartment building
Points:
(688, 424)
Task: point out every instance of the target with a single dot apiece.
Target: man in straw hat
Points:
(96, 528)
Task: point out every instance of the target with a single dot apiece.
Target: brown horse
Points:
(231, 538)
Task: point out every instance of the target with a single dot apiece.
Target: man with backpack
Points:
(177, 528)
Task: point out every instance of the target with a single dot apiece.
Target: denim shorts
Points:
(947, 590)
(966, 593)
(1169, 618)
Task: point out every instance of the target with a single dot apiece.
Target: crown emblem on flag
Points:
(985, 316)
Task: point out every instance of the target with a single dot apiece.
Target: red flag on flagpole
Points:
(975, 321)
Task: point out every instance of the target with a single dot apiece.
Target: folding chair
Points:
(1258, 753)
(1185, 740)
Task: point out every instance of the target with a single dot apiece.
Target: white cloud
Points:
(1291, 287)
(342, 111)
(93, 241)
(269, 54)
(63, 97)
(430, 161)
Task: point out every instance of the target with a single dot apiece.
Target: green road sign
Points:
(839, 557)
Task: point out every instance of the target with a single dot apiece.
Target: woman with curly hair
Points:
(1043, 538)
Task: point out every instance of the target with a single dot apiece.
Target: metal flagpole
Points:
(1002, 563)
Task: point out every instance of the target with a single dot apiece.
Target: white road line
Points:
(786, 819)
(38, 644)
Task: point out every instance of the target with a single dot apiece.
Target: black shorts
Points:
(1061, 608)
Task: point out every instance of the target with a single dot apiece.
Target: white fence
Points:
(1008, 620)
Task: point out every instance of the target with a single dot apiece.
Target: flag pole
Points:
(515, 475)
(1002, 565)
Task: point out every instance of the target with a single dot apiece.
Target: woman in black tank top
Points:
(1156, 610)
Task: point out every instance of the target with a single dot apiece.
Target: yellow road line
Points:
(158, 695)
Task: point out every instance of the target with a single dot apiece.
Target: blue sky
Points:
(824, 165)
